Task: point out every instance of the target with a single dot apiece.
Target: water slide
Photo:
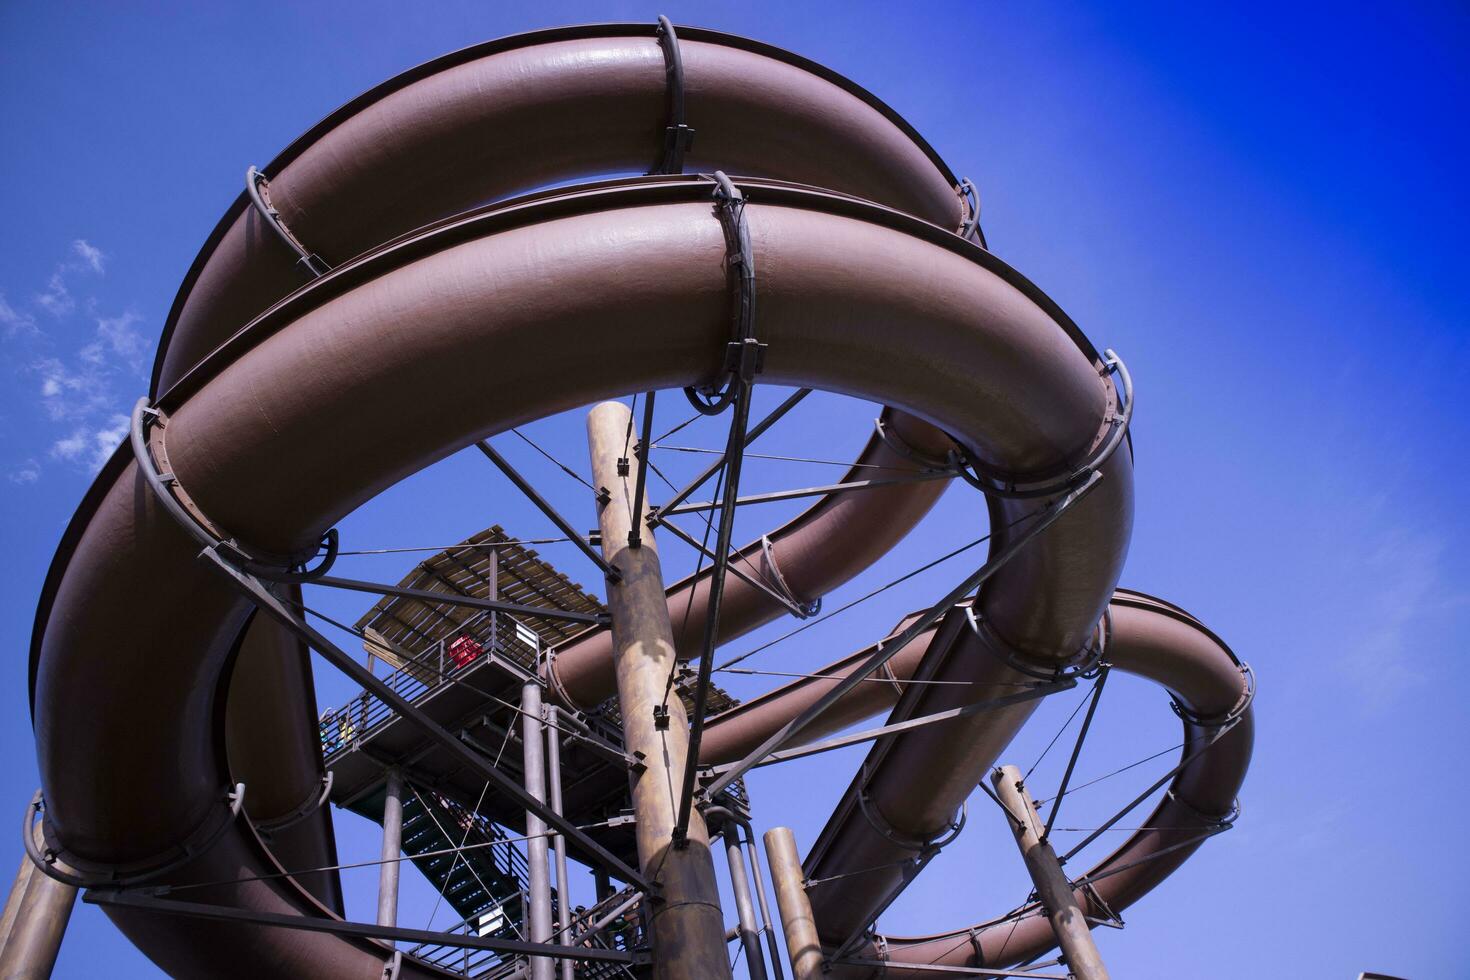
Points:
(314, 359)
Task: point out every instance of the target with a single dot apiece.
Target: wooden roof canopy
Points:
(468, 569)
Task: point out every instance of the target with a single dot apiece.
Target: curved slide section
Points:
(281, 411)
(1148, 638)
(274, 472)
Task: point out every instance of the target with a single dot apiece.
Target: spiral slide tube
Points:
(268, 425)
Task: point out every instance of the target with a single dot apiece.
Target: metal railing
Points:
(498, 634)
(478, 964)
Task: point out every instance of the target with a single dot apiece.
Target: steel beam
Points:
(889, 649)
(450, 599)
(563, 887)
(822, 491)
(756, 431)
(533, 749)
(392, 848)
(307, 923)
(562, 525)
(1055, 892)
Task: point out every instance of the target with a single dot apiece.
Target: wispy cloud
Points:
(90, 254)
(27, 472)
(56, 298)
(14, 322)
(116, 336)
(91, 446)
(83, 364)
(1409, 587)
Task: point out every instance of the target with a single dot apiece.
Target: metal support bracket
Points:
(678, 137)
(1111, 434)
(258, 187)
(269, 603)
(55, 857)
(889, 649)
(744, 356)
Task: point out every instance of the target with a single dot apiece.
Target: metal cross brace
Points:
(306, 923)
(889, 649)
(267, 601)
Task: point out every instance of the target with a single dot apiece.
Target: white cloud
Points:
(92, 446)
(14, 322)
(117, 336)
(56, 299)
(27, 472)
(90, 254)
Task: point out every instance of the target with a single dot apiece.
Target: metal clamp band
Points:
(890, 438)
(1113, 432)
(201, 839)
(314, 801)
(678, 137)
(258, 187)
(971, 223)
(744, 355)
(806, 610)
(885, 829)
(1230, 717)
(171, 494)
(1084, 664)
(1214, 819)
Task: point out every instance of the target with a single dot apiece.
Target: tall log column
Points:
(687, 927)
(33, 923)
(1068, 921)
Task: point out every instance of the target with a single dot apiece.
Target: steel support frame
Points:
(753, 581)
(271, 604)
(868, 735)
(756, 431)
(524, 486)
(822, 491)
(143, 902)
(450, 599)
(734, 457)
(890, 648)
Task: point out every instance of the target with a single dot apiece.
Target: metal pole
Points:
(533, 747)
(685, 923)
(33, 923)
(392, 848)
(563, 887)
(787, 877)
(760, 896)
(1054, 891)
(744, 909)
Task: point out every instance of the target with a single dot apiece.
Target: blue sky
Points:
(1261, 207)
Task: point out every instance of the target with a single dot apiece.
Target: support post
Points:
(685, 923)
(787, 877)
(744, 909)
(392, 848)
(533, 747)
(33, 923)
(760, 896)
(563, 888)
(1053, 889)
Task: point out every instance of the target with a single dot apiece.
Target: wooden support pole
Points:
(802, 944)
(1068, 919)
(33, 923)
(686, 923)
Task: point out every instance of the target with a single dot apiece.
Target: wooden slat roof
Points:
(523, 577)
